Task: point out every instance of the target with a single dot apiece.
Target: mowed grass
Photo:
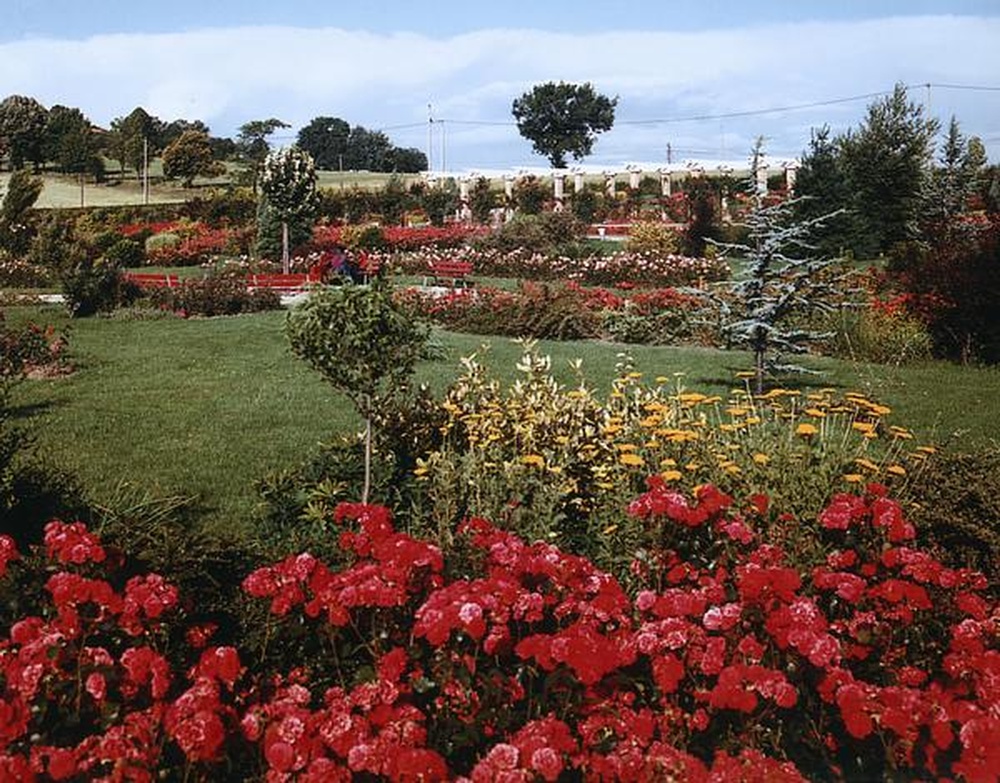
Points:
(205, 407)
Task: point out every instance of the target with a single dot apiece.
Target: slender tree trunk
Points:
(368, 460)
(759, 370)
(285, 262)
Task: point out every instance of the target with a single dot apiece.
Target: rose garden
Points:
(724, 535)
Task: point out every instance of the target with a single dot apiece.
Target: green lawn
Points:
(206, 406)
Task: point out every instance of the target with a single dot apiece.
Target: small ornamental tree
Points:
(288, 182)
(563, 119)
(362, 344)
(782, 280)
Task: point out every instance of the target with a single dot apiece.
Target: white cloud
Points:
(228, 76)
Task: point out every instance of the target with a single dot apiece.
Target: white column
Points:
(664, 182)
(633, 179)
(558, 180)
(577, 181)
(762, 178)
(609, 183)
(465, 212)
(791, 171)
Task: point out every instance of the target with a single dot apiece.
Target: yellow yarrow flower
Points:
(535, 460)
(671, 475)
(806, 429)
(761, 459)
(631, 460)
(896, 470)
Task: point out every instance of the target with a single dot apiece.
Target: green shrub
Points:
(667, 327)
(530, 195)
(874, 334)
(19, 273)
(651, 236)
(959, 509)
(162, 241)
(215, 295)
(550, 232)
(368, 236)
(98, 286)
(126, 253)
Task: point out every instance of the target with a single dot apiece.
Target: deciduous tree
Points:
(189, 156)
(22, 129)
(563, 119)
(252, 146)
(70, 141)
(288, 182)
(361, 344)
(325, 138)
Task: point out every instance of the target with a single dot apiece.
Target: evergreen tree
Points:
(783, 282)
(23, 191)
(887, 162)
(822, 188)
(957, 178)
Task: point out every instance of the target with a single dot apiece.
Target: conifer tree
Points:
(784, 282)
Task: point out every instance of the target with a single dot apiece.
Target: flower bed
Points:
(500, 659)
(617, 269)
(562, 312)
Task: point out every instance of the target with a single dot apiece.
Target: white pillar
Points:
(633, 179)
(664, 182)
(558, 180)
(465, 212)
(762, 178)
(609, 183)
(508, 191)
(791, 171)
(577, 181)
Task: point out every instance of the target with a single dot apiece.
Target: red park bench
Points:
(285, 284)
(454, 272)
(152, 279)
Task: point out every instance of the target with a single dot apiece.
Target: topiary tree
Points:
(362, 344)
(783, 281)
(288, 182)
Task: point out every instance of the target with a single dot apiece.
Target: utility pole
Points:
(430, 139)
(670, 153)
(145, 170)
(444, 156)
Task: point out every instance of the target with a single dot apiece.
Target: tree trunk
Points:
(758, 357)
(368, 460)
(285, 262)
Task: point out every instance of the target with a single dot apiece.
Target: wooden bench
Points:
(455, 272)
(284, 284)
(152, 279)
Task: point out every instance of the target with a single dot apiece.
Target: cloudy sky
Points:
(702, 76)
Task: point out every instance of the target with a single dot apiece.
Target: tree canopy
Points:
(22, 129)
(888, 161)
(190, 155)
(563, 119)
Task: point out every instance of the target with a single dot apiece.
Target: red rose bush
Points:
(504, 660)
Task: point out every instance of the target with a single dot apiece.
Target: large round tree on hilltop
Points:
(563, 119)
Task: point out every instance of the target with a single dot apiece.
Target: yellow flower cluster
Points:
(586, 451)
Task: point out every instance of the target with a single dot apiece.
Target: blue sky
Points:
(691, 74)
